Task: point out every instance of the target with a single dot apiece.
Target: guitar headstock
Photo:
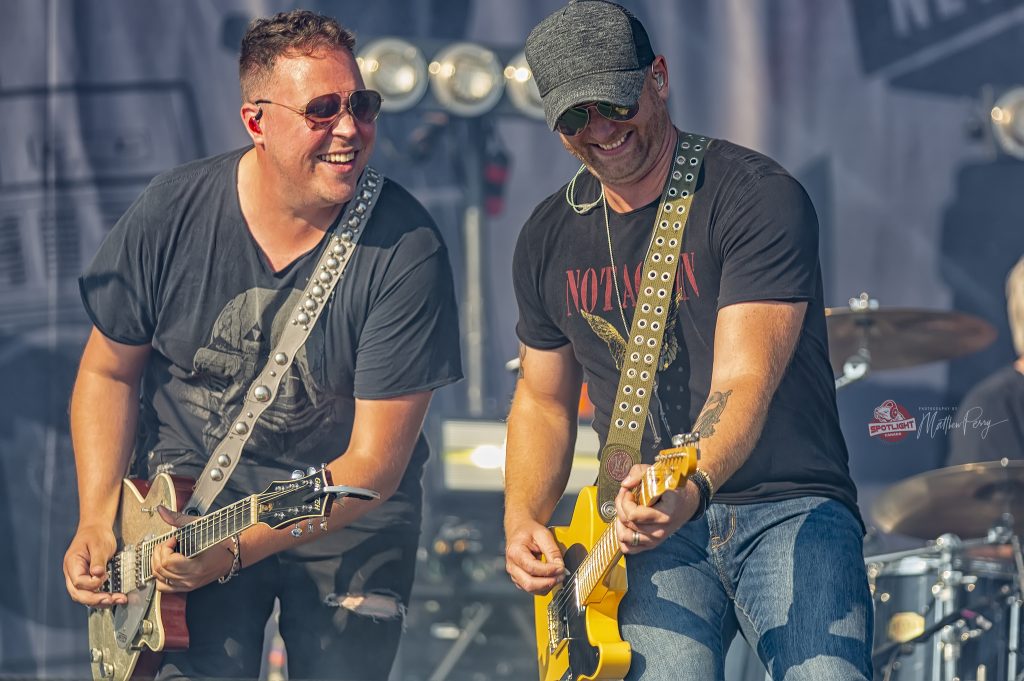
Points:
(670, 469)
(288, 501)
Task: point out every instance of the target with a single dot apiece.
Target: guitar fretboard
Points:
(606, 551)
(132, 567)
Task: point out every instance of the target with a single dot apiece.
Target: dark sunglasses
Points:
(322, 112)
(574, 120)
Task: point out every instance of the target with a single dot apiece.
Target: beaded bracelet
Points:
(236, 559)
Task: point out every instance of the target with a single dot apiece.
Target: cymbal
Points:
(904, 337)
(965, 500)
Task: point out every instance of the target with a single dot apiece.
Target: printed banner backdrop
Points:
(880, 107)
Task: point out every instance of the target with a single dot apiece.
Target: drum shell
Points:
(914, 592)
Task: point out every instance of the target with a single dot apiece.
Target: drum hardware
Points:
(954, 629)
(951, 611)
(864, 337)
(943, 616)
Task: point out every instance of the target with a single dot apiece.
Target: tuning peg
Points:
(311, 470)
(296, 531)
(323, 525)
(296, 474)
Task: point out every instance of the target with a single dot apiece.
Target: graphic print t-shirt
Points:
(180, 271)
(752, 235)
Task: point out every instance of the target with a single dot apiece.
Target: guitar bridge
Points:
(113, 582)
(557, 628)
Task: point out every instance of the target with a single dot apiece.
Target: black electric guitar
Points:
(127, 641)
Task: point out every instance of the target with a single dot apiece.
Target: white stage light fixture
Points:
(466, 79)
(522, 88)
(396, 69)
(1008, 122)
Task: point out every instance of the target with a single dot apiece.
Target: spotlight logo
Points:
(892, 422)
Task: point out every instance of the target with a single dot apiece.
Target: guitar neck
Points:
(606, 551)
(199, 535)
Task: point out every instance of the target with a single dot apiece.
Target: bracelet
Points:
(702, 480)
(236, 559)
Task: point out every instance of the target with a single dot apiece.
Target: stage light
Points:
(1007, 117)
(488, 457)
(522, 88)
(466, 79)
(395, 68)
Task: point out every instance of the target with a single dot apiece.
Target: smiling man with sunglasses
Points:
(189, 295)
(680, 275)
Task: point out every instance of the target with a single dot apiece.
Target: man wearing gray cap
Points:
(680, 275)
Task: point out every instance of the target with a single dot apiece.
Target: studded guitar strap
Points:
(335, 256)
(647, 331)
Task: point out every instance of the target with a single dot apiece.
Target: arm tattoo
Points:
(710, 415)
(522, 361)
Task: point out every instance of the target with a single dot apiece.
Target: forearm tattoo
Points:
(522, 361)
(711, 414)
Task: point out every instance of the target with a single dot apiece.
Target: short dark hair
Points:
(299, 31)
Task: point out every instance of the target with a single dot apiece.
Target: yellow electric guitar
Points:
(577, 623)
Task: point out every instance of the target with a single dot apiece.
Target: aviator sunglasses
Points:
(322, 112)
(574, 120)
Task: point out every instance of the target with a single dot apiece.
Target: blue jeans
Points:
(787, 574)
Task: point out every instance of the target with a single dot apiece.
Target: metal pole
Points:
(472, 237)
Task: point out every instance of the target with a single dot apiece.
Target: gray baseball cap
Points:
(588, 51)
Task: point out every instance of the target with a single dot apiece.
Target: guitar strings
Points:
(238, 510)
(562, 597)
(193, 532)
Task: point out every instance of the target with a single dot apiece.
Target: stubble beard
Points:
(627, 171)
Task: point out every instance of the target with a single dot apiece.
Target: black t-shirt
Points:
(180, 271)
(989, 424)
(752, 235)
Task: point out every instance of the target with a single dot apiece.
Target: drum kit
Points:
(951, 610)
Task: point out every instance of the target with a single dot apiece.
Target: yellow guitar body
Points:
(602, 607)
(578, 623)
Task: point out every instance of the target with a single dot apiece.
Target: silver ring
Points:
(168, 582)
(636, 538)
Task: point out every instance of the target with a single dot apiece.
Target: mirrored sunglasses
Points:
(323, 111)
(574, 120)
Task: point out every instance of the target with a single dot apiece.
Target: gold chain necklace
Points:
(622, 313)
(615, 271)
(611, 257)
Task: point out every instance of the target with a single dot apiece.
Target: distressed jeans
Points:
(324, 640)
(789, 575)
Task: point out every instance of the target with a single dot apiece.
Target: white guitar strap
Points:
(336, 255)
